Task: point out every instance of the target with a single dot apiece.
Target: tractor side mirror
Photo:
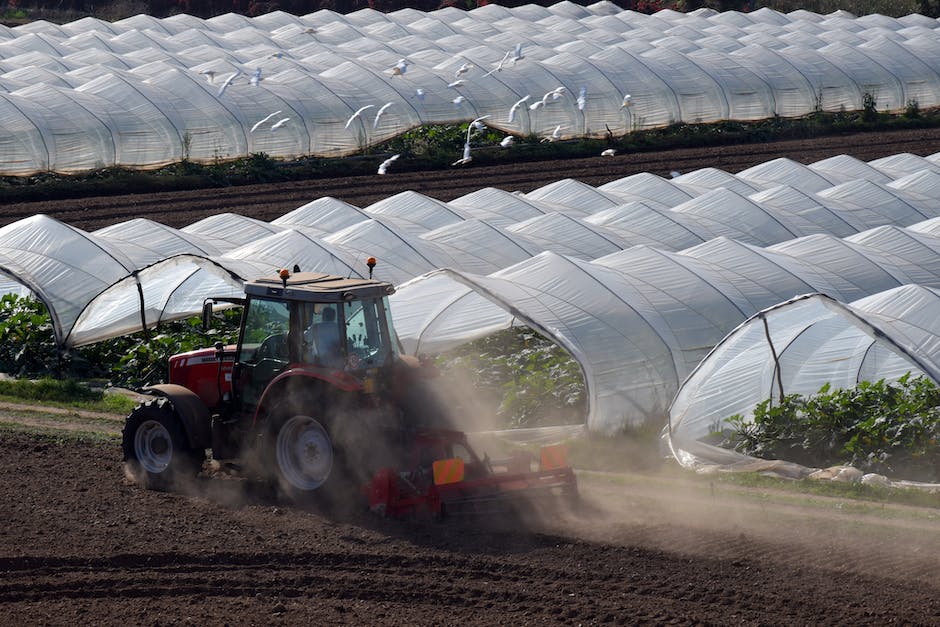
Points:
(206, 314)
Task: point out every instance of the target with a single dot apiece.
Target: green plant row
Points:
(886, 428)
(522, 378)
(435, 147)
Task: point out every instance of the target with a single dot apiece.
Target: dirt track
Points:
(267, 202)
(79, 543)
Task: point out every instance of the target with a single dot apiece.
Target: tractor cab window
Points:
(324, 335)
(368, 333)
(265, 349)
(266, 329)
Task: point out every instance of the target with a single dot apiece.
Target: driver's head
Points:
(329, 314)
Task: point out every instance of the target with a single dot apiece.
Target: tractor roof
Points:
(317, 287)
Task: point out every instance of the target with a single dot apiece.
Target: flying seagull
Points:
(209, 74)
(379, 113)
(499, 66)
(357, 114)
(228, 82)
(400, 68)
(610, 152)
(466, 156)
(582, 98)
(263, 120)
(279, 124)
(627, 101)
(463, 69)
(556, 134)
(515, 107)
(517, 54)
(256, 78)
(507, 141)
(383, 167)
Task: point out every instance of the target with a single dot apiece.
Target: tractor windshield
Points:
(369, 336)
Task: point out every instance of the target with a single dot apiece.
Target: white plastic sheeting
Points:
(637, 290)
(817, 340)
(142, 92)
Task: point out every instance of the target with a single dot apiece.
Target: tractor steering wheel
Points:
(272, 347)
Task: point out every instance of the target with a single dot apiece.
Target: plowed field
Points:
(81, 544)
(267, 202)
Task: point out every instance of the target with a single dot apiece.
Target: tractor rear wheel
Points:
(303, 454)
(156, 452)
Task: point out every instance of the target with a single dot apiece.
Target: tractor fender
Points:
(192, 412)
(336, 380)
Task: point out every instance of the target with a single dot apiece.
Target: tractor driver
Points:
(323, 338)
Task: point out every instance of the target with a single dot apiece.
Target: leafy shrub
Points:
(28, 348)
(891, 429)
(137, 360)
(27, 343)
(529, 380)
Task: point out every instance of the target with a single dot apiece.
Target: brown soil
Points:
(267, 202)
(80, 543)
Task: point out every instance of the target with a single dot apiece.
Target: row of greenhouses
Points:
(143, 92)
(638, 290)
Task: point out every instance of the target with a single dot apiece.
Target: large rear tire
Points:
(157, 454)
(303, 454)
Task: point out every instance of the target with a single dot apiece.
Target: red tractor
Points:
(315, 395)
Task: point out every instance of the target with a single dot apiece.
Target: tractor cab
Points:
(316, 322)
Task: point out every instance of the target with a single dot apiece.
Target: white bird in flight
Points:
(463, 69)
(419, 93)
(256, 78)
(263, 120)
(466, 156)
(610, 152)
(515, 107)
(383, 167)
(357, 114)
(536, 105)
(457, 83)
(507, 141)
(400, 68)
(582, 98)
(627, 101)
(279, 124)
(457, 101)
(209, 74)
(379, 113)
(228, 82)
(556, 93)
(556, 135)
(517, 54)
(499, 66)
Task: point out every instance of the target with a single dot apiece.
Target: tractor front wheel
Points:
(156, 452)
